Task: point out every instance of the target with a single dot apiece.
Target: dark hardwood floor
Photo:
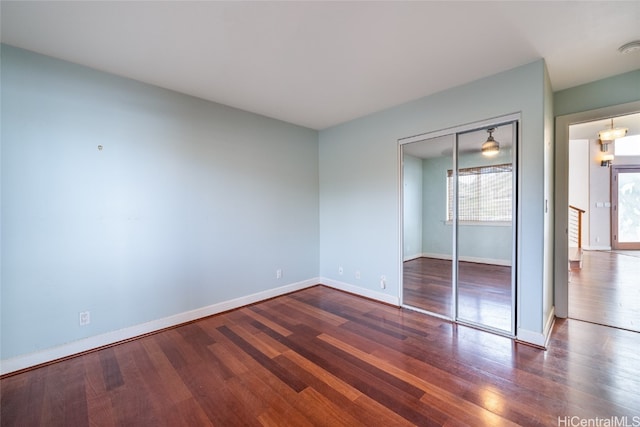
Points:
(606, 290)
(484, 290)
(326, 358)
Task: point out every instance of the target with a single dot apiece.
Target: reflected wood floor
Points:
(427, 284)
(484, 290)
(607, 289)
(321, 357)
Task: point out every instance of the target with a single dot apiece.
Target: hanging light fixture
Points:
(611, 134)
(606, 160)
(491, 147)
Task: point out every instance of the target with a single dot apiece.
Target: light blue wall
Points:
(190, 203)
(615, 90)
(437, 237)
(413, 201)
(359, 180)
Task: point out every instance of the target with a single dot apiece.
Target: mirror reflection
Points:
(458, 228)
(428, 237)
(485, 228)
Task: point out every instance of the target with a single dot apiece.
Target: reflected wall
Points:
(428, 238)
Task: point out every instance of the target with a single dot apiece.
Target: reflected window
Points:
(484, 193)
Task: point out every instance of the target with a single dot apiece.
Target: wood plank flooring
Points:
(606, 290)
(484, 290)
(321, 357)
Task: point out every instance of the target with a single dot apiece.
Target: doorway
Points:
(601, 288)
(459, 210)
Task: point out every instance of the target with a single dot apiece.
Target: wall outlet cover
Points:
(84, 318)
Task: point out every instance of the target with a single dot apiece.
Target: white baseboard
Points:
(97, 341)
(492, 261)
(358, 290)
(537, 338)
(597, 248)
(412, 257)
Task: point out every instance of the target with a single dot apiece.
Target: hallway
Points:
(607, 289)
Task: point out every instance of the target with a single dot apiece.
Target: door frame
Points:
(561, 246)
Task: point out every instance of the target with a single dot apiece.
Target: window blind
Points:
(485, 193)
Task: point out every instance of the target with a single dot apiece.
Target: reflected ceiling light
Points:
(491, 147)
(606, 160)
(611, 134)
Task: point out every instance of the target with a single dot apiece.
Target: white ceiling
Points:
(318, 64)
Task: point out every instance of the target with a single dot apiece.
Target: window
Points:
(485, 193)
(627, 146)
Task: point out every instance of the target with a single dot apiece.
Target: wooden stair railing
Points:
(575, 237)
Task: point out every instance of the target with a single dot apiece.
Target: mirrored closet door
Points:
(428, 237)
(459, 210)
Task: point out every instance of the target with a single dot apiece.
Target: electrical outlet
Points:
(340, 270)
(279, 273)
(383, 282)
(84, 318)
(358, 274)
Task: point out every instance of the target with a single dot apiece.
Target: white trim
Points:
(537, 338)
(429, 313)
(492, 261)
(412, 257)
(360, 291)
(597, 248)
(400, 229)
(495, 121)
(97, 341)
(551, 320)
